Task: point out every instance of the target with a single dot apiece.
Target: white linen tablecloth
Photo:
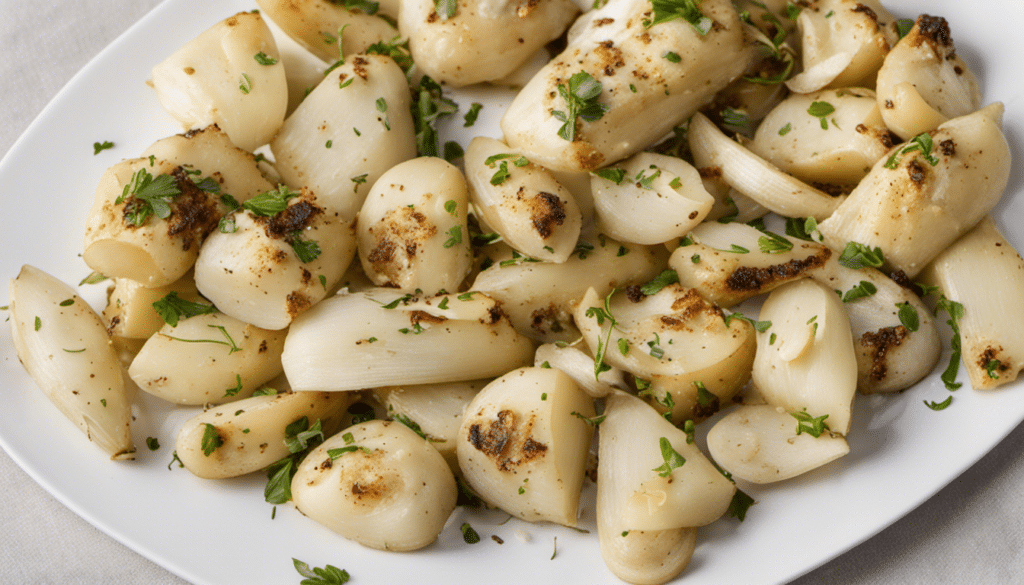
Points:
(970, 532)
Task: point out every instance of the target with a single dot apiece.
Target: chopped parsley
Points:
(806, 423)
(264, 59)
(921, 143)
(666, 278)
(474, 112)
(329, 575)
(211, 439)
(857, 256)
(147, 196)
(671, 457)
(580, 96)
(246, 85)
(171, 309)
(862, 290)
(821, 110)
(98, 147)
(688, 10)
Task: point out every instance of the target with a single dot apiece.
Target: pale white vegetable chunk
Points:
(806, 360)
(253, 270)
(645, 557)
(64, 346)
(803, 138)
(479, 40)
(658, 198)
(227, 360)
(674, 340)
(843, 43)
(984, 273)
(436, 409)
(732, 262)
(354, 126)
(378, 338)
(248, 435)
(384, 487)
(618, 54)
(122, 240)
(522, 448)
(521, 201)
(230, 76)
(211, 151)
(327, 29)
(922, 204)
(413, 231)
(129, 312)
(753, 176)
(641, 485)
(894, 334)
(303, 70)
(579, 365)
(539, 297)
(923, 82)
(760, 444)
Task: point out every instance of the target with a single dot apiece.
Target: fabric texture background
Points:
(970, 532)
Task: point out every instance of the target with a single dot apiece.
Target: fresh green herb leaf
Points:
(737, 249)
(211, 439)
(672, 57)
(857, 256)
(672, 458)
(594, 422)
(903, 26)
(601, 314)
(366, 6)
(171, 309)
(237, 387)
(939, 405)
(921, 143)
(759, 326)
(955, 311)
(453, 151)
(38, 324)
(228, 341)
(688, 10)
(468, 534)
(821, 110)
(405, 420)
(153, 443)
(785, 129)
(145, 196)
(771, 243)
(690, 429)
(264, 59)
(580, 96)
(611, 174)
(306, 250)
(991, 367)
(501, 174)
(454, 236)
(474, 111)
(666, 278)
(908, 316)
(270, 203)
(657, 352)
(739, 505)
(382, 107)
(246, 85)
(446, 8)
(174, 457)
(735, 118)
(862, 290)
(813, 426)
(98, 147)
(329, 575)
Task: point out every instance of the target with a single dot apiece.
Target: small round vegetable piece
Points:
(379, 484)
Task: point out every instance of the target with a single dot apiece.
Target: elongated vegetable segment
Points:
(413, 231)
(600, 124)
(760, 444)
(890, 355)
(646, 557)
(360, 109)
(379, 484)
(941, 184)
(215, 79)
(479, 40)
(657, 198)
(843, 44)
(329, 29)
(729, 263)
(147, 222)
(378, 338)
(834, 148)
(755, 177)
(228, 360)
(434, 410)
(214, 162)
(686, 359)
(523, 444)
(267, 265)
(539, 296)
(251, 433)
(130, 312)
(64, 346)
(805, 361)
(579, 365)
(522, 201)
(984, 273)
(649, 476)
(923, 82)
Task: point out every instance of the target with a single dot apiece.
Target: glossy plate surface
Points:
(222, 532)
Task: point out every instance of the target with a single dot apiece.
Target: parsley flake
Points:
(580, 96)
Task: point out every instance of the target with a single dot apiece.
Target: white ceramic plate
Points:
(222, 532)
